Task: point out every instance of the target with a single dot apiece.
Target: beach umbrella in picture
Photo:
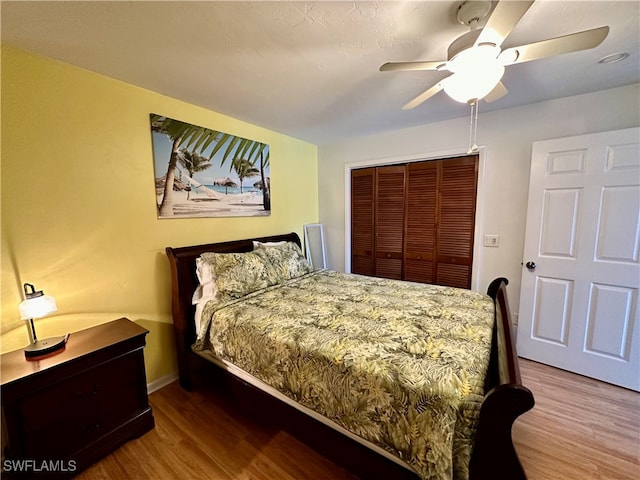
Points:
(226, 183)
(258, 184)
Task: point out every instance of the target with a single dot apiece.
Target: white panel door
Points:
(581, 273)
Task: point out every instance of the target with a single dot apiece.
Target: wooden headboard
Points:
(184, 282)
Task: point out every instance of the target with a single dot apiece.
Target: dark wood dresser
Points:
(62, 413)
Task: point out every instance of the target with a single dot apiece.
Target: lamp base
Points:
(45, 347)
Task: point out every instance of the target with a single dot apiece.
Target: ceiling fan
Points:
(476, 60)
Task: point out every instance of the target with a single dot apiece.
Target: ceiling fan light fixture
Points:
(469, 88)
(476, 72)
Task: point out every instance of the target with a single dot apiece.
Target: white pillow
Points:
(205, 291)
(207, 286)
(257, 244)
(197, 316)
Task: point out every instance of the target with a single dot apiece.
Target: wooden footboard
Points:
(494, 455)
(505, 399)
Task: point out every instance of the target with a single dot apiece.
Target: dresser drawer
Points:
(66, 416)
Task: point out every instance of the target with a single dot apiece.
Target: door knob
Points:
(531, 266)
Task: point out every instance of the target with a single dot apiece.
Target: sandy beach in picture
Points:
(216, 204)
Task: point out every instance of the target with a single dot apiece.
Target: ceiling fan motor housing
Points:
(472, 11)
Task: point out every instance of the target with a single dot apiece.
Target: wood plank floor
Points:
(580, 429)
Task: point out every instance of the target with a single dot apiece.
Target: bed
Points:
(429, 388)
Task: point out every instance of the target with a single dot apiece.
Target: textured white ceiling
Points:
(310, 69)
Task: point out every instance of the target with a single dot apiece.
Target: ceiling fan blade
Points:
(504, 17)
(424, 96)
(554, 46)
(395, 66)
(498, 92)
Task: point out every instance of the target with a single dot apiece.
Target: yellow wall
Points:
(78, 200)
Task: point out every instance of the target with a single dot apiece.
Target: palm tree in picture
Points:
(252, 151)
(244, 169)
(192, 162)
(182, 133)
(266, 184)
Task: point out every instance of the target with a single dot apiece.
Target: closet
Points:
(415, 221)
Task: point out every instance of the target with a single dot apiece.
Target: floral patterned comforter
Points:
(400, 364)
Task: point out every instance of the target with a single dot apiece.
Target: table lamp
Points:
(37, 305)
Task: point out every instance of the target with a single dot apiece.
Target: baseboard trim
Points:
(161, 382)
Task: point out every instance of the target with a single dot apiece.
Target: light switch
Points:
(491, 240)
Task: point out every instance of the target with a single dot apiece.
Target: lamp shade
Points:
(37, 306)
(476, 71)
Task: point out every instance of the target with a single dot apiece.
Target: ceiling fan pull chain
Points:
(473, 127)
(474, 148)
(470, 128)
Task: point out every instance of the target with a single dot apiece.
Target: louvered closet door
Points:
(420, 222)
(389, 221)
(362, 220)
(457, 206)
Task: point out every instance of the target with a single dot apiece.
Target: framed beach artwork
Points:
(201, 172)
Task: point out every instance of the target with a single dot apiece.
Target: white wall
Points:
(507, 136)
